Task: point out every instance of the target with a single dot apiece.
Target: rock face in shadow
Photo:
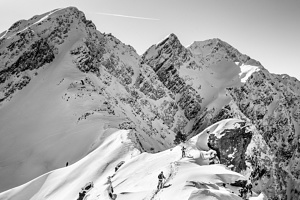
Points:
(232, 146)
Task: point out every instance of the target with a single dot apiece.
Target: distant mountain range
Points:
(69, 93)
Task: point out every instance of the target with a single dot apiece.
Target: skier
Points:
(183, 151)
(81, 195)
(67, 164)
(160, 180)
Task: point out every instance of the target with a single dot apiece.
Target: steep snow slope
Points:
(50, 101)
(137, 178)
(65, 79)
(65, 183)
(46, 122)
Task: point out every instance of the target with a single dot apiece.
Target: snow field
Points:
(187, 178)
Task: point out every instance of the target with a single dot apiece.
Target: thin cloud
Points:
(127, 16)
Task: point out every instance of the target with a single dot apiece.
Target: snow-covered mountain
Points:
(69, 93)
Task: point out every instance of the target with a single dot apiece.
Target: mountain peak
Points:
(218, 46)
(169, 39)
(48, 21)
(170, 46)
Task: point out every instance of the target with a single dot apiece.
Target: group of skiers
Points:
(214, 158)
(161, 176)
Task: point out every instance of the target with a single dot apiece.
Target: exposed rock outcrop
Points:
(232, 145)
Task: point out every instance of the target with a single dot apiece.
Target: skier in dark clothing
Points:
(67, 164)
(160, 180)
(81, 195)
(183, 151)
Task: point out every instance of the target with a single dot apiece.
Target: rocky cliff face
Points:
(265, 101)
(270, 104)
(168, 89)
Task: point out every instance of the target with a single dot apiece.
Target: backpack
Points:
(160, 176)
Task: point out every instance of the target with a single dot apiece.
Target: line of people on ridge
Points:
(213, 159)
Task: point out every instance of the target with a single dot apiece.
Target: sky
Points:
(266, 30)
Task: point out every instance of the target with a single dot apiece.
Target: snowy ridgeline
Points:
(68, 92)
(189, 177)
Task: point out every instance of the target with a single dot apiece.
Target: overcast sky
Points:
(266, 30)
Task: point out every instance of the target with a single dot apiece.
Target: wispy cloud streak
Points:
(127, 16)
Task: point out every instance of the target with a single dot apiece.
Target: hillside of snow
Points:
(186, 178)
(71, 94)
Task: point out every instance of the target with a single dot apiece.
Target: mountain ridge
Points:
(80, 83)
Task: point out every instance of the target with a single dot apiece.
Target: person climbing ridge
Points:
(160, 180)
(81, 195)
(183, 151)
